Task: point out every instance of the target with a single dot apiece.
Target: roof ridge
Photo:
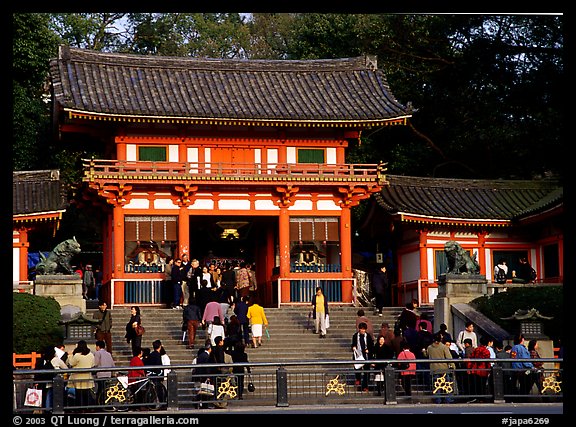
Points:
(365, 62)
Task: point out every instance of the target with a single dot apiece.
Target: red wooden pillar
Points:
(118, 253)
(423, 256)
(183, 231)
(482, 252)
(23, 254)
(284, 241)
(346, 254)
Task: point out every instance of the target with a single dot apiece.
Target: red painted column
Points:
(482, 252)
(118, 253)
(346, 253)
(23, 252)
(183, 231)
(423, 256)
(284, 241)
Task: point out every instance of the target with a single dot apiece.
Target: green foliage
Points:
(32, 47)
(34, 323)
(547, 300)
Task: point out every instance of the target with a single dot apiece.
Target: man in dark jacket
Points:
(380, 288)
(155, 374)
(362, 344)
(192, 318)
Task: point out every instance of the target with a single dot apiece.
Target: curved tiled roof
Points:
(468, 199)
(36, 192)
(329, 90)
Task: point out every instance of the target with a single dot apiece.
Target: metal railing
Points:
(314, 382)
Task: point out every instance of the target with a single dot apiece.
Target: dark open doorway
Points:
(252, 239)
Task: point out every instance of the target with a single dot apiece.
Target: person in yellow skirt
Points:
(258, 321)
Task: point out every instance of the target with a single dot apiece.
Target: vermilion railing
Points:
(146, 170)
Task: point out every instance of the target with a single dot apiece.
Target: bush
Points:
(35, 323)
(548, 301)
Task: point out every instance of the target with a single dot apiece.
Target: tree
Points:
(33, 45)
(33, 332)
(486, 89)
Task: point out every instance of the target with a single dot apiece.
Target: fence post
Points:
(390, 385)
(281, 387)
(498, 383)
(172, 388)
(58, 394)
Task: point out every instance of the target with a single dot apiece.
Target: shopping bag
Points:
(206, 388)
(327, 321)
(379, 377)
(267, 333)
(33, 398)
(358, 356)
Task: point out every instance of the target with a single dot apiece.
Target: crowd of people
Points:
(222, 301)
(412, 339)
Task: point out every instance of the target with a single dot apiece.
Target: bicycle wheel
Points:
(151, 400)
(114, 396)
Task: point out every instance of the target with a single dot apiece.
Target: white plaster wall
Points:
(16, 265)
(327, 205)
(138, 204)
(131, 152)
(301, 205)
(173, 153)
(240, 205)
(291, 154)
(265, 205)
(164, 204)
(202, 204)
(192, 157)
(272, 154)
(331, 155)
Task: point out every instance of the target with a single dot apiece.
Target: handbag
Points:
(251, 387)
(206, 388)
(33, 397)
(140, 330)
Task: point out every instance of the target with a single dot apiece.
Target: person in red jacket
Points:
(479, 372)
(136, 374)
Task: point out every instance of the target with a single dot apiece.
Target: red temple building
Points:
(413, 217)
(38, 203)
(224, 160)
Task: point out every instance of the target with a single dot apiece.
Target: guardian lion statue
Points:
(58, 261)
(459, 260)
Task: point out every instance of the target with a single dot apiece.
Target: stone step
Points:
(290, 334)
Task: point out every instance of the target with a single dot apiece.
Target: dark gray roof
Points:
(468, 199)
(333, 90)
(37, 192)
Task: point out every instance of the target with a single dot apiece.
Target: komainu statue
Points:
(58, 261)
(459, 260)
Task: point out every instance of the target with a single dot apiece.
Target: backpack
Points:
(500, 275)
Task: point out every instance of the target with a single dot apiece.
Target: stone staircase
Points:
(291, 339)
(290, 329)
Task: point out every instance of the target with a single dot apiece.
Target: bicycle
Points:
(118, 395)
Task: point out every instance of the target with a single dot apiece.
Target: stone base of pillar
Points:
(464, 285)
(66, 289)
